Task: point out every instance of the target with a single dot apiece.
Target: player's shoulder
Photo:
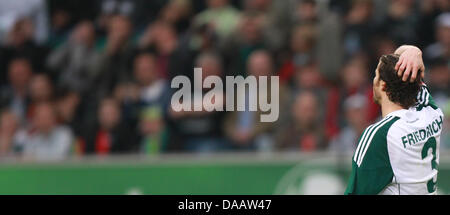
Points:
(380, 129)
(405, 118)
(373, 141)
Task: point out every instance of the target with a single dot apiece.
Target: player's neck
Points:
(388, 107)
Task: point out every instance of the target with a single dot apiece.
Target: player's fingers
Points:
(402, 67)
(407, 72)
(399, 62)
(414, 72)
(397, 66)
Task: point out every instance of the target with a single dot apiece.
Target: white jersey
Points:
(399, 155)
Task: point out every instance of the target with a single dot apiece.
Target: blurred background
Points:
(85, 92)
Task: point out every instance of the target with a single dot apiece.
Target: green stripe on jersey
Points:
(379, 137)
(370, 137)
(367, 133)
(375, 171)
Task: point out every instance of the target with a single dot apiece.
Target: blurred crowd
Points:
(93, 77)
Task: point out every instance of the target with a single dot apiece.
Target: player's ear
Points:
(383, 85)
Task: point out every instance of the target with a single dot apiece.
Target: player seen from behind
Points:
(399, 155)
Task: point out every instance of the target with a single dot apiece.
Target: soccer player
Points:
(399, 155)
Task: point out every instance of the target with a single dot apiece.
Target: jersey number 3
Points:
(430, 144)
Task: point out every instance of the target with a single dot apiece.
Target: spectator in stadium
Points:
(304, 132)
(113, 64)
(72, 62)
(283, 17)
(306, 11)
(401, 22)
(429, 11)
(149, 89)
(127, 94)
(439, 79)
(257, 5)
(15, 96)
(220, 15)
(70, 112)
(9, 125)
(111, 134)
(441, 48)
(359, 26)
(46, 139)
(355, 110)
(153, 87)
(200, 131)
(153, 131)
(21, 34)
(41, 89)
(308, 77)
(245, 128)
(302, 50)
(67, 105)
(354, 80)
(140, 12)
(277, 17)
(199, 39)
(144, 103)
(380, 45)
(162, 38)
(64, 15)
(34, 10)
(177, 13)
(20, 43)
(240, 45)
(329, 48)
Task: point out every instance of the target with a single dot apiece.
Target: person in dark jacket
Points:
(110, 135)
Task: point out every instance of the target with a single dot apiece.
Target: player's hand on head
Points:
(410, 63)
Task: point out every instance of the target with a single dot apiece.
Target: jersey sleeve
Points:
(424, 98)
(371, 168)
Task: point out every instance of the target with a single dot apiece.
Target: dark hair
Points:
(401, 92)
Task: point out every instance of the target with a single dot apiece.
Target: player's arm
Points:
(371, 167)
(410, 62)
